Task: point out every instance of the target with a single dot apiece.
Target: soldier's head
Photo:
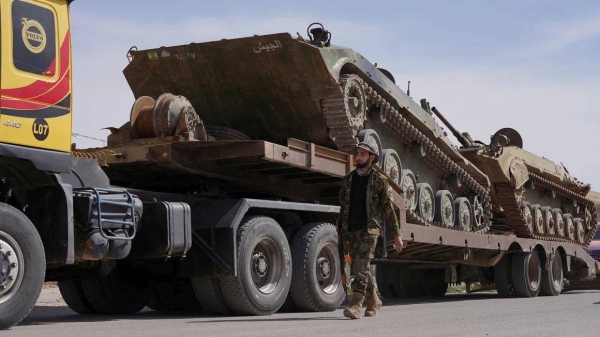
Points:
(365, 155)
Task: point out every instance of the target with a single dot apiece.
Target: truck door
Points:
(35, 109)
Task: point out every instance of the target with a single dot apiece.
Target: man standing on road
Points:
(365, 195)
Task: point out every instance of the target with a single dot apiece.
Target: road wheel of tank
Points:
(122, 291)
(408, 283)
(355, 100)
(391, 165)
(434, 282)
(463, 218)
(538, 219)
(527, 213)
(22, 266)
(444, 210)
(559, 221)
(503, 277)
(527, 273)
(477, 211)
(384, 276)
(569, 226)
(208, 292)
(72, 293)
(223, 133)
(425, 202)
(316, 285)
(552, 277)
(264, 268)
(579, 230)
(549, 224)
(174, 295)
(408, 183)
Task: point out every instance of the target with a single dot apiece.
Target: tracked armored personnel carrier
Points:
(273, 87)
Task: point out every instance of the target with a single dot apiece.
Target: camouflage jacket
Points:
(379, 201)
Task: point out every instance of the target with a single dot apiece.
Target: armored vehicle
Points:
(275, 86)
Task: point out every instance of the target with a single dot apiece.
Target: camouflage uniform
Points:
(361, 244)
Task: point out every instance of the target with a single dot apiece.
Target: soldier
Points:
(365, 195)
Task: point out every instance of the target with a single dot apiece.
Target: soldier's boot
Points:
(354, 309)
(373, 304)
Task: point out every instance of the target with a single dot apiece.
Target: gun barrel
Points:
(462, 139)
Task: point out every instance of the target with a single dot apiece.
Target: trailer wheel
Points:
(264, 268)
(408, 283)
(72, 293)
(503, 277)
(122, 292)
(527, 274)
(174, 295)
(552, 277)
(434, 282)
(384, 276)
(316, 285)
(208, 292)
(22, 266)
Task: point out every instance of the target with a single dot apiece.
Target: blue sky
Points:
(530, 65)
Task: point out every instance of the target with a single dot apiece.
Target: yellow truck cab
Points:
(35, 109)
(42, 186)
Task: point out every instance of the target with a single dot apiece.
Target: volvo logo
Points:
(34, 35)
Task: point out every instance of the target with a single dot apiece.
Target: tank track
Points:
(344, 136)
(512, 201)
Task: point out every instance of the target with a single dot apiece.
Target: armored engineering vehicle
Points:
(223, 199)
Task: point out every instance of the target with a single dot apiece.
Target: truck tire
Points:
(316, 285)
(408, 283)
(503, 277)
(552, 277)
(264, 268)
(208, 292)
(527, 274)
(121, 292)
(72, 293)
(383, 273)
(434, 283)
(174, 295)
(22, 266)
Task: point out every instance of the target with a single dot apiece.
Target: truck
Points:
(234, 212)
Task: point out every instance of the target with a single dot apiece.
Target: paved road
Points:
(575, 313)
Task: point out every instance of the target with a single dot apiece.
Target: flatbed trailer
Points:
(306, 178)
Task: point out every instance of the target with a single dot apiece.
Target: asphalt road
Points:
(483, 314)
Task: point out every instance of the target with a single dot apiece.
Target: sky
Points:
(529, 65)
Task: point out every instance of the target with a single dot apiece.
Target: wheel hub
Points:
(324, 267)
(9, 267)
(261, 265)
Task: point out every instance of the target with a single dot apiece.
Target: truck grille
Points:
(595, 253)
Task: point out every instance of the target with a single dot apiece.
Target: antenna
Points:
(408, 90)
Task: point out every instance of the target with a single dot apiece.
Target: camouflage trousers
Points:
(361, 246)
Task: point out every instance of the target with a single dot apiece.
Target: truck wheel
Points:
(552, 277)
(175, 295)
(121, 292)
(383, 276)
(22, 266)
(316, 285)
(209, 294)
(408, 283)
(503, 277)
(72, 293)
(527, 274)
(264, 268)
(435, 282)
